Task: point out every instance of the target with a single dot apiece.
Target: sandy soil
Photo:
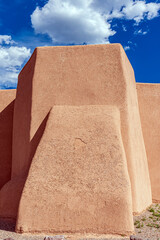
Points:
(147, 226)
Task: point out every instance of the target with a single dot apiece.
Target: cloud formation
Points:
(11, 60)
(6, 39)
(140, 10)
(88, 21)
(68, 21)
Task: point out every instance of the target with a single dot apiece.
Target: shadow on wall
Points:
(23, 148)
(6, 126)
(37, 137)
(7, 225)
(10, 194)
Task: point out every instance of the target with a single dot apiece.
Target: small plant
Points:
(136, 222)
(156, 214)
(149, 225)
(151, 210)
(139, 225)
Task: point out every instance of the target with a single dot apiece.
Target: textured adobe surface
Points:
(6, 125)
(149, 99)
(78, 156)
(81, 75)
(78, 180)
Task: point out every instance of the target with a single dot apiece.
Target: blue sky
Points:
(26, 24)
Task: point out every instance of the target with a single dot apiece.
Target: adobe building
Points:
(79, 143)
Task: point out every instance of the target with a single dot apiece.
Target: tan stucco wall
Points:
(76, 77)
(149, 106)
(78, 180)
(6, 126)
(82, 75)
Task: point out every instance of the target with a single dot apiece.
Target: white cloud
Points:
(124, 28)
(140, 32)
(13, 56)
(130, 45)
(6, 39)
(107, 6)
(144, 33)
(79, 21)
(135, 10)
(69, 21)
(11, 60)
(138, 10)
(126, 48)
(153, 9)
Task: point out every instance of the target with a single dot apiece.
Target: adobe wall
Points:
(74, 76)
(78, 180)
(149, 106)
(82, 75)
(6, 125)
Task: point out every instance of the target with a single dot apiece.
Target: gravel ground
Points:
(147, 227)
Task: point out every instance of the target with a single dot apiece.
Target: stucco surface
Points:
(134, 143)
(78, 180)
(78, 83)
(81, 75)
(149, 99)
(6, 125)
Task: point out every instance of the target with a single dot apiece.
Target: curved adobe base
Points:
(78, 180)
